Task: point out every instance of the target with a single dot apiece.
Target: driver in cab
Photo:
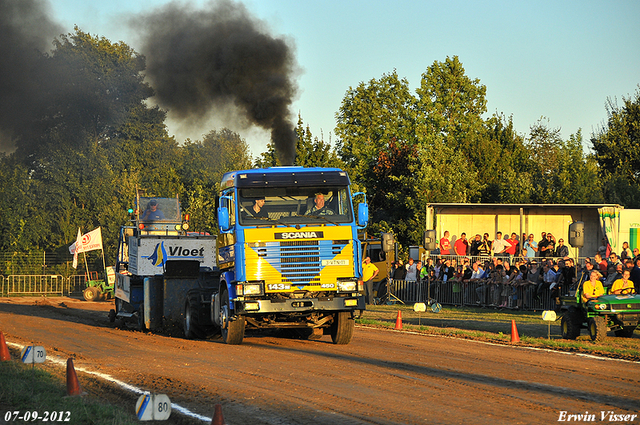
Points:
(152, 213)
(319, 208)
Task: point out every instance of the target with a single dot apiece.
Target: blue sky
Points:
(558, 59)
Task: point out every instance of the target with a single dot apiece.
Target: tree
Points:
(376, 130)
(505, 164)
(91, 143)
(617, 152)
(576, 179)
(450, 108)
(202, 165)
(408, 151)
(90, 87)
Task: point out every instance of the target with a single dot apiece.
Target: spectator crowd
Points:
(503, 273)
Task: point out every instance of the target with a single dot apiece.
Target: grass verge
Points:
(31, 389)
(495, 326)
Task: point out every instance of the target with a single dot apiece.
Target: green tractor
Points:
(99, 289)
(619, 313)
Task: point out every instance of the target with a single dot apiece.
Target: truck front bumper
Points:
(300, 305)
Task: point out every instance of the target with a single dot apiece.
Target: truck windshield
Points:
(294, 205)
(159, 209)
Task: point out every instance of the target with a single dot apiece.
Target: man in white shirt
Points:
(499, 245)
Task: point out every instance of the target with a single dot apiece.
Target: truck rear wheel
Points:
(342, 328)
(571, 322)
(597, 328)
(232, 330)
(191, 324)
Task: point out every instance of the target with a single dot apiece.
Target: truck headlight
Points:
(601, 306)
(253, 289)
(246, 288)
(347, 286)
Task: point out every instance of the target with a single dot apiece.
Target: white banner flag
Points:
(74, 249)
(90, 241)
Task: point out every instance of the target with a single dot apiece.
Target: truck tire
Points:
(140, 315)
(571, 323)
(342, 328)
(191, 323)
(232, 330)
(597, 328)
(626, 332)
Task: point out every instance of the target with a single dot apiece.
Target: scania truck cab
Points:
(288, 253)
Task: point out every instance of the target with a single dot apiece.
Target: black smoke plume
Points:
(26, 34)
(202, 60)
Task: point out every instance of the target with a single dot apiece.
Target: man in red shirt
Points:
(461, 245)
(513, 241)
(602, 264)
(445, 245)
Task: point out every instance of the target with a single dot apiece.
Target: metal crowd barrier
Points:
(511, 259)
(35, 284)
(457, 293)
(15, 285)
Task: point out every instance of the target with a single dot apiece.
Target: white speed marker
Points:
(33, 354)
(153, 407)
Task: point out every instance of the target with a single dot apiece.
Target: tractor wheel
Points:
(571, 323)
(626, 332)
(231, 329)
(597, 328)
(191, 325)
(91, 293)
(342, 328)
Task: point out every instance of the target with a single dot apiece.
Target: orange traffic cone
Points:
(399, 321)
(4, 350)
(218, 419)
(73, 386)
(514, 332)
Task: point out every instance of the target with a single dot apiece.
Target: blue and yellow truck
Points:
(287, 256)
(288, 253)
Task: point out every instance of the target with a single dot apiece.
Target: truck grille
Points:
(299, 262)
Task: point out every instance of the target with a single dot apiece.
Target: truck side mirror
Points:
(223, 219)
(363, 214)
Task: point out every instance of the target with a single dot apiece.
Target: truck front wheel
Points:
(342, 328)
(597, 328)
(232, 330)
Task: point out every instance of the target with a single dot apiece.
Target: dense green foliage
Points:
(95, 140)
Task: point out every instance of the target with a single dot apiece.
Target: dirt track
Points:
(382, 377)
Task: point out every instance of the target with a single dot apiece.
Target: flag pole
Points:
(86, 265)
(104, 264)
